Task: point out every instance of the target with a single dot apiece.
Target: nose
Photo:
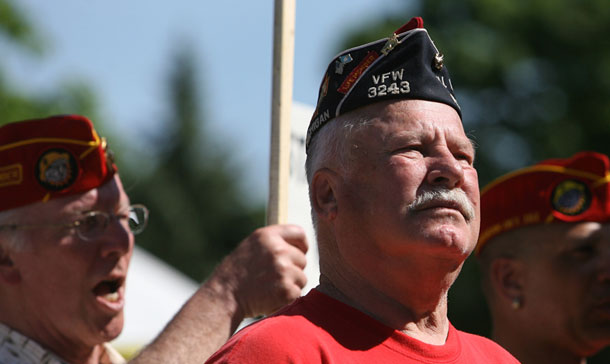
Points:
(603, 273)
(117, 240)
(445, 170)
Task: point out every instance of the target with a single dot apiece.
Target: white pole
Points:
(283, 65)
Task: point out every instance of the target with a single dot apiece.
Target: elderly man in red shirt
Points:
(395, 202)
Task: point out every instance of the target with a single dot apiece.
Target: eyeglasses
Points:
(94, 223)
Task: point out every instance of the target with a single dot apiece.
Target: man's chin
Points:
(450, 241)
(112, 328)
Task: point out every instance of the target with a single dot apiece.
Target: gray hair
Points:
(329, 147)
(10, 239)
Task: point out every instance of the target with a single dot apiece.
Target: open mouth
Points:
(109, 290)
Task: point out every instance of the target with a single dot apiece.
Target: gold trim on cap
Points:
(92, 144)
(547, 168)
(601, 181)
(11, 175)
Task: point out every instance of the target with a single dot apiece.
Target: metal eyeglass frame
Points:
(95, 221)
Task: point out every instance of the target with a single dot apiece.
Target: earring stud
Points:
(516, 304)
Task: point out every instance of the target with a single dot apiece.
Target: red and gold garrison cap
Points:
(552, 191)
(49, 158)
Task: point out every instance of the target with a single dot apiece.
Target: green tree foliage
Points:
(15, 104)
(198, 213)
(16, 27)
(533, 80)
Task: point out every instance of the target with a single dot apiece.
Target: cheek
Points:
(556, 291)
(59, 269)
(402, 180)
(44, 286)
(52, 271)
(471, 187)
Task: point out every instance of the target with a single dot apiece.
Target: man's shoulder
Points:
(272, 339)
(276, 326)
(303, 315)
(289, 333)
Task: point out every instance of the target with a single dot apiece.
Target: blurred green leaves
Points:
(16, 27)
(18, 35)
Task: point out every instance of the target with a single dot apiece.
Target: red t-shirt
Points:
(319, 329)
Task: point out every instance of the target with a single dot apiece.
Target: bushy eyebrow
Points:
(473, 145)
(405, 135)
(402, 135)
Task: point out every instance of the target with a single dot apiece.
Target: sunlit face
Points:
(567, 287)
(73, 290)
(411, 147)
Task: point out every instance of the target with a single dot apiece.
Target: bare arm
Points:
(262, 274)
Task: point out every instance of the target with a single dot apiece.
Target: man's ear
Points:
(323, 194)
(8, 271)
(507, 279)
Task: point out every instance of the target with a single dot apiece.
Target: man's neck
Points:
(425, 322)
(92, 356)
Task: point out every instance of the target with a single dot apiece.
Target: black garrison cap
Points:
(406, 65)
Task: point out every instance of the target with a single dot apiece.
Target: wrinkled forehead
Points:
(410, 119)
(549, 239)
(108, 197)
(591, 231)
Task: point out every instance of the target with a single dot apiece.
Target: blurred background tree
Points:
(198, 213)
(17, 104)
(533, 80)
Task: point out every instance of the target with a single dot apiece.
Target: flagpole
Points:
(283, 65)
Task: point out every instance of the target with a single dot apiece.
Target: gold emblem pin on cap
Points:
(438, 61)
(390, 44)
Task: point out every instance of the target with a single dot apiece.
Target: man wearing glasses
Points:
(66, 238)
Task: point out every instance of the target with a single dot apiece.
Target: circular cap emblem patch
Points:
(56, 169)
(571, 197)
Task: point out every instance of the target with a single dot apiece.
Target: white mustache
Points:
(444, 196)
